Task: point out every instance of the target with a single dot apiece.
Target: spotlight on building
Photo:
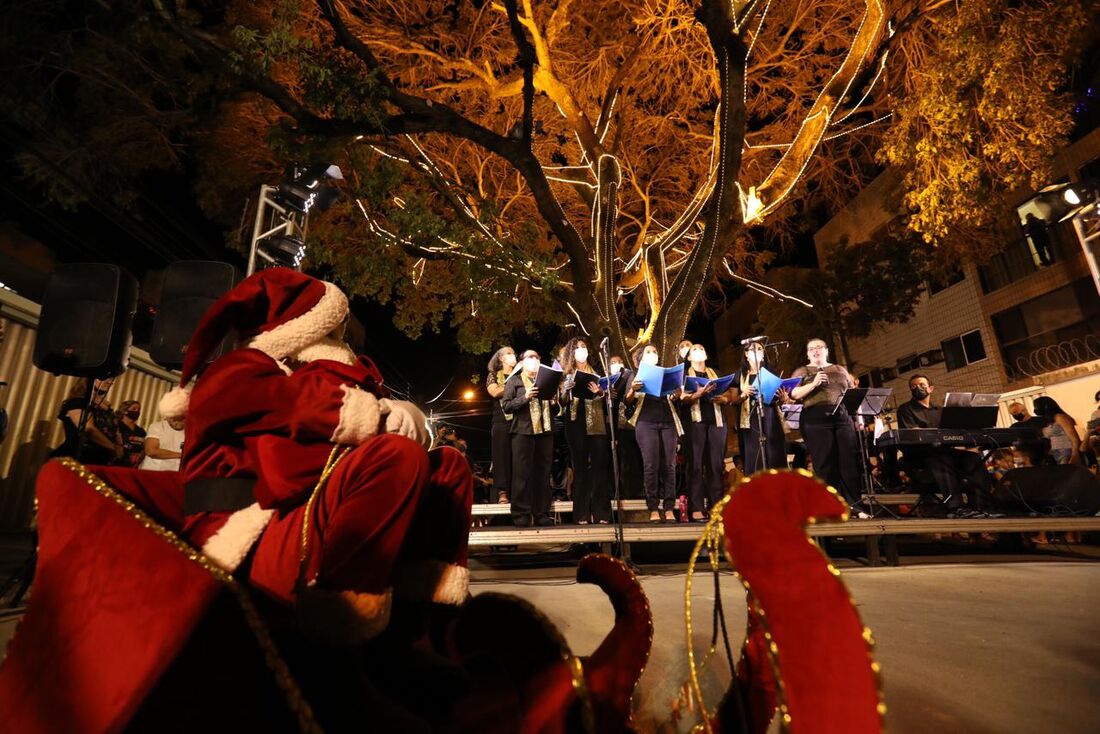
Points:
(1059, 202)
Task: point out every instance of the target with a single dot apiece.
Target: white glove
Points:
(405, 419)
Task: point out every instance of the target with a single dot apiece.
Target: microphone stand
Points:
(609, 408)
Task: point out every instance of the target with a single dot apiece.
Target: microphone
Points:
(753, 340)
(605, 344)
(779, 344)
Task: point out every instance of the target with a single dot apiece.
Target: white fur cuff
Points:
(312, 326)
(442, 583)
(231, 543)
(360, 417)
(174, 403)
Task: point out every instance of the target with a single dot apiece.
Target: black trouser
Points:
(501, 448)
(775, 442)
(630, 464)
(683, 475)
(591, 458)
(831, 441)
(531, 457)
(657, 443)
(708, 454)
(949, 468)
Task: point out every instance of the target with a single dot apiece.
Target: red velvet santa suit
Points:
(390, 515)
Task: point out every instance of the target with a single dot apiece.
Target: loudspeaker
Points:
(190, 288)
(84, 328)
(1061, 488)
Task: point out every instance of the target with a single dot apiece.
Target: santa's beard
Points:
(327, 348)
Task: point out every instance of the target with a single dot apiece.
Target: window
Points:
(865, 380)
(963, 350)
(931, 357)
(1060, 316)
(880, 376)
(908, 364)
(935, 285)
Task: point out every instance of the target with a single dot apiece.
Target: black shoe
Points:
(965, 513)
(544, 521)
(521, 521)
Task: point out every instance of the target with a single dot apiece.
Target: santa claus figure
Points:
(296, 455)
(303, 485)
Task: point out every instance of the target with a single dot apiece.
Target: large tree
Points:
(600, 163)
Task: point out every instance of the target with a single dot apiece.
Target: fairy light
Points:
(885, 117)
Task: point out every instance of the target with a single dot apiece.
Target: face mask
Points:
(531, 364)
(508, 360)
(683, 352)
(616, 368)
(581, 355)
(649, 358)
(1018, 417)
(134, 414)
(698, 355)
(919, 393)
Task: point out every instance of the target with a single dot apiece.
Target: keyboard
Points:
(988, 438)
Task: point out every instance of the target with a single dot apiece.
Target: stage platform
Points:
(880, 534)
(564, 507)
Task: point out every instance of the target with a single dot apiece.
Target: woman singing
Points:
(500, 367)
(532, 444)
(656, 427)
(708, 435)
(830, 439)
(748, 422)
(586, 433)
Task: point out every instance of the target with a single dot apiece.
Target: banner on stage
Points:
(769, 383)
(660, 381)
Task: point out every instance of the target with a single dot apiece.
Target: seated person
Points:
(1092, 434)
(949, 467)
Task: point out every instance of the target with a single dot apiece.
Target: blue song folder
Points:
(721, 384)
(769, 384)
(660, 381)
(617, 381)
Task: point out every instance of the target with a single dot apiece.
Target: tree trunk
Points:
(723, 209)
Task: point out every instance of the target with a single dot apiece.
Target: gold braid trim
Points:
(294, 699)
(334, 457)
(713, 534)
(580, 685)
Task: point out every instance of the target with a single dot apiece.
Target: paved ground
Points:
(976, 648)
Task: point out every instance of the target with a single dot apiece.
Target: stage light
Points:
(308, 190)
(284, 250)
(468, 395)
(1071, 197)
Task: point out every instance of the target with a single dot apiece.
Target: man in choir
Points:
(532, 444)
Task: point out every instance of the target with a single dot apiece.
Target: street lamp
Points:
(468, 394)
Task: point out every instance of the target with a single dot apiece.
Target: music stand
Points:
(866, 401)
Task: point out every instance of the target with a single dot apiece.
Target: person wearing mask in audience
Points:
(1060, 429)
(500, 368)
(656, 428)
(630, 458)
(1092, 432)
(532, 444)
(708, 436)
(102, 443)
(133, 435)
(748, 422)
(830, 438)
(164, 445)
(585, 418)
(1019, 413)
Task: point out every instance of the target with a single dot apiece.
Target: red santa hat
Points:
(278, 311)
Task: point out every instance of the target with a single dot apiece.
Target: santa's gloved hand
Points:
(405, 419)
